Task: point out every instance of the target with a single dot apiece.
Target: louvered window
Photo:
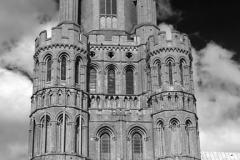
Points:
(129, 81)
(170, 73)
(137, 147)
(63, 68)
(108, 7)
(181, 71)
(111, 81)
(77, 71)
(159, 74)
(49, 69)
(105, 150)
(93, 80)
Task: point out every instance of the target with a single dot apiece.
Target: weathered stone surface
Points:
(74, 106)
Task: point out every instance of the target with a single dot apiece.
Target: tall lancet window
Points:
(49, 69)
(159, 142)
(77, 71)
(78, 136)
(159, 74)
(111, 81)
(170, 72)
(137, 147)
(45, 134)
(175, 139)
(188, 125)
(105, 147)
(108, 7)
(181, 68)
(63, 68)
(129, 81)
(108, 14)
(62, 133)
(93, 80)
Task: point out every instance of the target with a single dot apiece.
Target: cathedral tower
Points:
(108, 85)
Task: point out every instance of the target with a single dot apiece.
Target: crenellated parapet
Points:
(160, 43)
(67, 35)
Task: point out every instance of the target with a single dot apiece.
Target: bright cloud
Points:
(217, 90)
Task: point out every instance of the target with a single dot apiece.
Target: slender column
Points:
(63, 131)
(80, 133)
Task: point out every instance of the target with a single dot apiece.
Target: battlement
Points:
(62, 34)
(177, 40)
(114, 40)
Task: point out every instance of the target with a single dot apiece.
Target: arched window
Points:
(49, 69)
(63, 68)
(45, 134)
(105, 147)
(93, 80)
(159, 142)
(137, 147)
(170, 72)
(129, 81)
(188, 125)
(79, 136)
(159, 74)
(111, 81)
(77, 71)
(108, 7)
(175, 139)
(37, 76)
(181, 68)
(62, 131)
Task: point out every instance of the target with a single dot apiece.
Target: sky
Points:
(212, 25)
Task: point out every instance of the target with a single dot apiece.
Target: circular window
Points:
(93, 54)
(111, 55)
(129, 55)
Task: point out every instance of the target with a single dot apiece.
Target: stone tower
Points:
(108, 85)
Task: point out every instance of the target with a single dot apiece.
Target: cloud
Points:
(15, 104)
(166, 12)
(217, 88)
(21, 22)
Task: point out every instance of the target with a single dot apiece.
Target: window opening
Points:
(63, 68)
(108, 7)
(181, 71)
(170, 73)
(49, 69)
(105, 149)
(111, 81)
(159, 74)
(93, 80)
(110, 54)
(129, 55)
(77, 71)
(129, 81)
(137, 147)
